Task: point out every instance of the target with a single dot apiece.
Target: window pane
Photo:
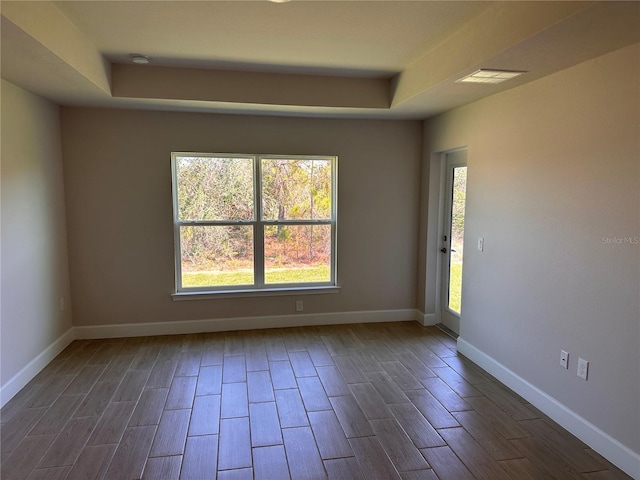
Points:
(296, 189)
(216, 255)
(458, 203)
(297, 253)
(212, 188)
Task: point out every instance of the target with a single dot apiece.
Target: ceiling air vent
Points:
(489, 76)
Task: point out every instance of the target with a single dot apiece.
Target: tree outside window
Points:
(253, 221)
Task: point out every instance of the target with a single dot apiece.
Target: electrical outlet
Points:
(583, 368)
(299, 306)
(564, 359)
(480, 244)
(62, 304)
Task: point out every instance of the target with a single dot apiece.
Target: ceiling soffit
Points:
(45, 52)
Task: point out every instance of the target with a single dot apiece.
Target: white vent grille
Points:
(489, 76)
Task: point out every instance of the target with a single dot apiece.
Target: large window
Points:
(254, 222)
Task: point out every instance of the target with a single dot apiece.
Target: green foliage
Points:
(222, 189)
(245, 277)
(294, 189)
(457, 234)
(217, 279)
(459, 203)
(215, 188)
(455, 286)
(298, 275)
(207, 246)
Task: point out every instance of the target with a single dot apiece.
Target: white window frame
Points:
(258, 223)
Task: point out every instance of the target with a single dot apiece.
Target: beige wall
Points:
(554, 171)
(118, 190)
(34, 248)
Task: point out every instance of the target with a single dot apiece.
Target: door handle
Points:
(443, 249)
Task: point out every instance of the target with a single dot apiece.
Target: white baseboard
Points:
(24, 376)
(427, 319)
(603, 443)
(243, 323)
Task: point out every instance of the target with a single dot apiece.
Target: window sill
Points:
(264, 292)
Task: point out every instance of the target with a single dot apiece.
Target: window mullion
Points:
(334, 225)
(327, 221)
(176, 225)
(213, 223)
(258, 229)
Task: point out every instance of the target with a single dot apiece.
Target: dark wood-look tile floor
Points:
(365, 401)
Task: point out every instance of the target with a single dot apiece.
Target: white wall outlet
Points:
(299, 306)
(583, 368)
(62, 304)
(480, 244)
(564, 359)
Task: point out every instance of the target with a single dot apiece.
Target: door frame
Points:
(446, 183)
(430, 260)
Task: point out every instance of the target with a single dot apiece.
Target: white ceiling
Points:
(336, 37)
(373, 59)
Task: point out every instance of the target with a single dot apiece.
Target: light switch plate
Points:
(564, 359)
(583, 368)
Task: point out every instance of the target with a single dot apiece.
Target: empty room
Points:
(315, 239)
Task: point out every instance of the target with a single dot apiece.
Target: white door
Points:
(452, 239)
